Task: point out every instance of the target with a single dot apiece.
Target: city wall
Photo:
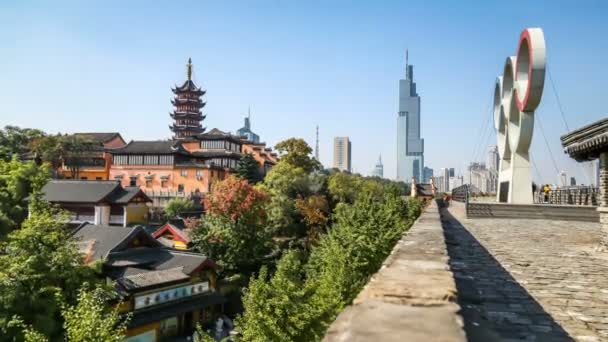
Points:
(413, 295)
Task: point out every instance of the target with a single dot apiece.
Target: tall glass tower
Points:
(410, 147)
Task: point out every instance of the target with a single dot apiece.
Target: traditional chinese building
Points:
(93, 163)
(98, 202)
(190, 163)
(187, 115)
(167, 292)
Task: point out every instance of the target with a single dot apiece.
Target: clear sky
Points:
(109, 65)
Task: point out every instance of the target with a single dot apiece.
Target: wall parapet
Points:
(413, 295)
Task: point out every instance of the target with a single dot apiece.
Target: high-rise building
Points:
(480, 178)
(342, 154)
(452, 172)
(493, 158)
(378, 169)
(427, 174)
(246, 131)
(572, 181)
(445, 179)
(563, 178)
(410, 147)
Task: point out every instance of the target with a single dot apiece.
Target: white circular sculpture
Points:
(517, 94)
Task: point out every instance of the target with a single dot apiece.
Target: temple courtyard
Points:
(531, 280)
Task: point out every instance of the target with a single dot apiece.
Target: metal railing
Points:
(571, 195)
(461, 194)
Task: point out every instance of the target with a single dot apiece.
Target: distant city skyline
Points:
(105, 68)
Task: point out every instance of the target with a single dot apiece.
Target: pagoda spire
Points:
(187, 115)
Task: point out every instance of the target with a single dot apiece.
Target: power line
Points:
(483, 128)
(561, 111)
(546, 143)
(559, 103)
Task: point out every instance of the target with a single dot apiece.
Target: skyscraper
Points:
(378, 169)
(492, 162)
(427, 174)
(410, 147)
(342, 153)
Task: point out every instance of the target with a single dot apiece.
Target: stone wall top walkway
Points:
(531, 280)
(412, 297)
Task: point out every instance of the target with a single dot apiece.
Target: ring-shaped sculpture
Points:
(517, 94)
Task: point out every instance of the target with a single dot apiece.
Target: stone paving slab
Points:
(524, 279)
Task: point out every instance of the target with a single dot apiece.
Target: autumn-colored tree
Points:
(315, 212)
(236, 199)
(234, 232)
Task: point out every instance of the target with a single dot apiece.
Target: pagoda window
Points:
(180, 188)
(133, 181)
(199, 174)
(184, 173)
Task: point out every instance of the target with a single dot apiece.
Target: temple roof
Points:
(100, 137)
(216, 134)
(136, 266)
(188, 86)
(150, 147)
(587, 142)
(198, 101)
(84, 191)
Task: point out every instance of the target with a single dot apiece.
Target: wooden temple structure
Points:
(589, 143)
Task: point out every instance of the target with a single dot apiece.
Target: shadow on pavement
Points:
(495, 307)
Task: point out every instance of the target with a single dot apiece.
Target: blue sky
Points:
(109, 65)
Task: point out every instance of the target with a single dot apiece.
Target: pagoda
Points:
(187, 115)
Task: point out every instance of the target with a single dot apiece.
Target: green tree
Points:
(76, 152)
(40, 268)
(362, 236)
(17, 181)
(344, 187)
(248, 168)
(49, 149)
(277, 307)
(296, 152)
(15, 140)
(92, 319)
(176, 207)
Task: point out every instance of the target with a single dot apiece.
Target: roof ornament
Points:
(189, 69)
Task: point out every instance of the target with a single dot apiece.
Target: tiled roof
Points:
(188, 86)
(180, 233)
(149, 147)
(84, 191)
(99, 137)
(147, 279)
(78, 191)
(126, 195)
(587, 142)
(97, 241)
